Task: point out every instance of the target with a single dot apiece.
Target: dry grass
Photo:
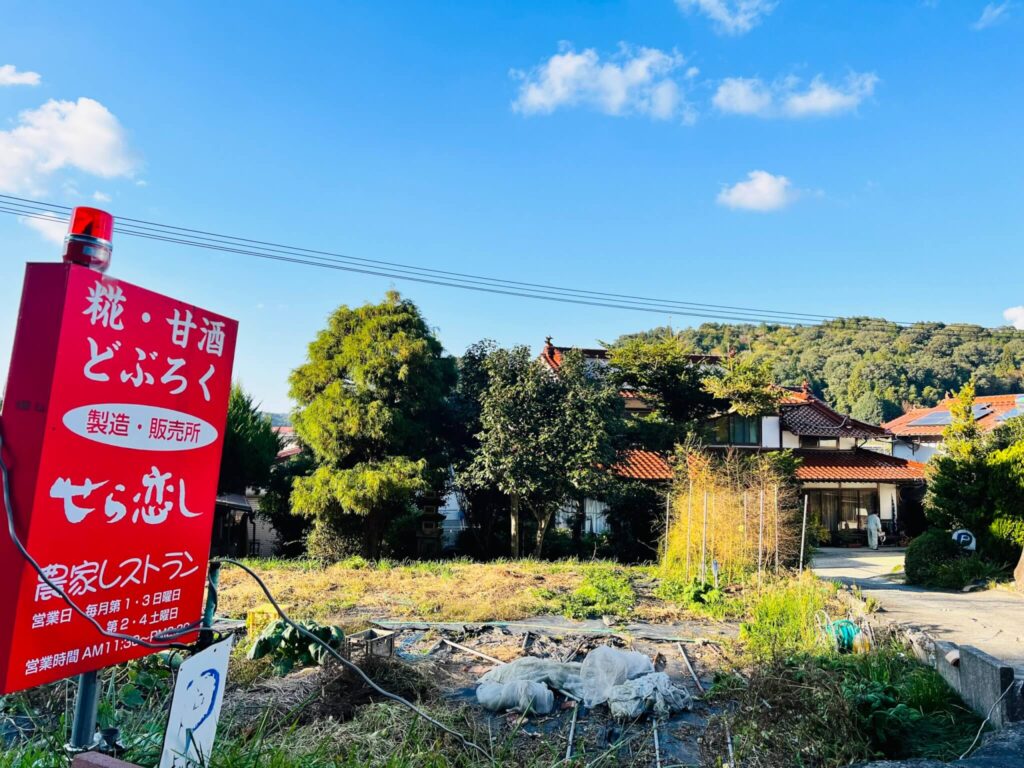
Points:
(450, 591)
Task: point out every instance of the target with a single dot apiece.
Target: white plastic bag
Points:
(563, 676)
(606, 667)
(519, 695)
(651, 693)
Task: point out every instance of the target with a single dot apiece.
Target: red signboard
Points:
(113, 424)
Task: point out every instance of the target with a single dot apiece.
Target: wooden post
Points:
(514, 526)
(803, 532)
(689, 524)
(746, 525)
(704, 544)
(760, 539)
(776, 491)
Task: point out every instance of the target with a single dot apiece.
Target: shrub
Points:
(327, 545)
(926, 553)
(1006, 537)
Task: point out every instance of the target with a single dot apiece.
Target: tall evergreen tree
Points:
(958, 481)
(373, 409)
(250, 445)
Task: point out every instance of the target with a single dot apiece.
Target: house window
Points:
(831, 443)
(843, 509)
(734, 429)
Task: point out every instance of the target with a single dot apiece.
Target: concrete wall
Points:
(986, 684)
(906, 449)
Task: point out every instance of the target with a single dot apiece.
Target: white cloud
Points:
(100, 197)
(82, 135)
(731, 17)
(743, 96)
(1015, 317)
(51, 227)
(9, 75)
(788, 97)
(992, 14)
(762, 191)
(634, 81)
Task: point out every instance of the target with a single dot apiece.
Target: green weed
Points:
(605, 591)
(782, 618)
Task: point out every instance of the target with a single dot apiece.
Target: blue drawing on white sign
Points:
(204, 696)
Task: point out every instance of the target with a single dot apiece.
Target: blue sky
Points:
(849, 157)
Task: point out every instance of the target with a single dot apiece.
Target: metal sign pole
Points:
(87, 700)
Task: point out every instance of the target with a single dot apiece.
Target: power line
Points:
(34, 209)
(231, 239)
(37, 209)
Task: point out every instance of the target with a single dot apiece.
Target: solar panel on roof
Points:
(944, 418)
(1018, 411)
(934, 419)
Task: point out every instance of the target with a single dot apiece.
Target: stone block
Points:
(983, 679)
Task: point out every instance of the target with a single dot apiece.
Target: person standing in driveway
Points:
(874, 529)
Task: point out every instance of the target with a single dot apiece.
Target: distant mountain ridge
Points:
(279, 419)
(872, 368)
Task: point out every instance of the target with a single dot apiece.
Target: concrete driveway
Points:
(992, 620)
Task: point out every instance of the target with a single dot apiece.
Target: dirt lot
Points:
(425, 665)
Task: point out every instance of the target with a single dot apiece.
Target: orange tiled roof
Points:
(553, 355)
(638, 464)
(855, 466)
(288, 451)
(902, 425)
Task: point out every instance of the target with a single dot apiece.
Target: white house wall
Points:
(906, 449)
(789, 440)
(888, 500)
(770, 430)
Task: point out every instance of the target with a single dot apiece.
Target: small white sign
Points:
(965, 539)
(195, 708)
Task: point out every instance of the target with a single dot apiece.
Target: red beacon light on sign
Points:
(89, 241)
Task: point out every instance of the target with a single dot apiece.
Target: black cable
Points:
(348, 664)
(430, 281)
(232, 239)
(33, 209)
(857, 324)
(12, 531)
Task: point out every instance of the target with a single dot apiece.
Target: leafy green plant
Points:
(700, 597)
(604, 592)
(290, 649)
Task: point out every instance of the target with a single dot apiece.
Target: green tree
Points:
(374, 411)
(958, 480)
(868, 408)
(747, 385)
(484, 505)
(276, 503)
(664, 371)
(545, 438)
(844, 358)
(250, 445)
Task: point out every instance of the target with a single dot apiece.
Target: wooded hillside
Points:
(873, 368)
